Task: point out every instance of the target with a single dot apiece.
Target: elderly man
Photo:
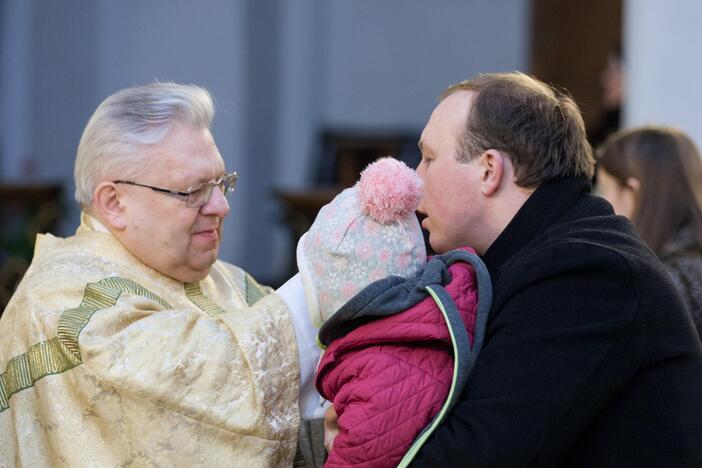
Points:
(129, 342)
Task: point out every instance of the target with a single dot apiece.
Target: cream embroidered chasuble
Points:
(105, 362)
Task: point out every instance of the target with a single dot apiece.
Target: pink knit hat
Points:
(368, 232)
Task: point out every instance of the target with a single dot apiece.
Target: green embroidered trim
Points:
(197, 297)
(62, 353)
(42, 359)
(97, 296)
(254, 291)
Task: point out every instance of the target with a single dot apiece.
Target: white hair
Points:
(129, 119)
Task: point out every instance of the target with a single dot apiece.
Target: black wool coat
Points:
(590, 358)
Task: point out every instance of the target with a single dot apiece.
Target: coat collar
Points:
(542, 208)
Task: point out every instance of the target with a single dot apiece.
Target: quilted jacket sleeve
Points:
(384, 396)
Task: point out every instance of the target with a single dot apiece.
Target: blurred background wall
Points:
(285, 73)
(664, 64)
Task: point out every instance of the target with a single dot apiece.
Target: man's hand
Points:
(331, 428)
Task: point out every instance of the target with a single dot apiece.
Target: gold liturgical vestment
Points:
(106, 362)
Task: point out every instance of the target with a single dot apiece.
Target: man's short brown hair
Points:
(538, 127)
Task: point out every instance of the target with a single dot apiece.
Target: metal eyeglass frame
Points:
(226, 183)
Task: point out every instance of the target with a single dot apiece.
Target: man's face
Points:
(452, 200)
(161, 230)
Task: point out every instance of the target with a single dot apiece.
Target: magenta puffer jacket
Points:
(390, 376)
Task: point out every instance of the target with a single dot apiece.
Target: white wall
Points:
(388, 60)
(663, 64)
(15, 48)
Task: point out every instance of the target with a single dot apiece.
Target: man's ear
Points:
(492, 165)
(108, 204)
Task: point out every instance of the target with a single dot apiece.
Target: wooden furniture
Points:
(345, 153)
(570, 44)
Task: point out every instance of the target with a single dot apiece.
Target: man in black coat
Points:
(590, 358)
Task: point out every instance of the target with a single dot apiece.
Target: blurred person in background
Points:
(653, 176)
(612, 81)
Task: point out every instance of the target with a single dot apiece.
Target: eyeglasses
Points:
(197, 195)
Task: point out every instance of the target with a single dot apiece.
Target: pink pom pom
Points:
(388, 190)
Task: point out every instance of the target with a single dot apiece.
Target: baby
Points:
(400, 334)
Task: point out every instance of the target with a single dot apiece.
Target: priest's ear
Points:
(108, 206)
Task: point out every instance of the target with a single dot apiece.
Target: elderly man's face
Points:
(162, 232)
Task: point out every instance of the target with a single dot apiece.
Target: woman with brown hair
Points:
(653, 176)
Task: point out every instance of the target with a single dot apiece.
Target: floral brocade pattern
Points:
(346, 251)
(167, 375)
